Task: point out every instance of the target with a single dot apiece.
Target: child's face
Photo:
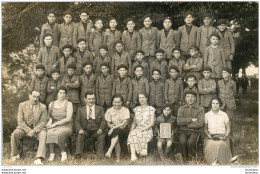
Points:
(188, 19)
(147, 22)
(156, 75)
(173, 73)
(225, 74)
(206, 74)
(214, 40)
(55, 76)
(167, 24)
(122, 72)
(191, 82)
(138, 72)
(82, 45)
(130, 25)
(159, 56)
(222, 27)
(193, 52)
(40, 72)
(103, 52)
(99, 24)
(190, 99)
(66, 52)
(88, 69)
(71, 72)
(176, 54)
(207, 21)
(167, 111)
(31, 48)
(67, 18)
(48, 40)
(51, 18)
(113, 23)
(84, 17)
(139, 57)
(119, 47)
(104, 70)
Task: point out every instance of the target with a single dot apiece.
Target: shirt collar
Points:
(193, 106)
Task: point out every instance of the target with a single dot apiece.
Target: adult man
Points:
(190, 118)
(32, 119)
(90, 123)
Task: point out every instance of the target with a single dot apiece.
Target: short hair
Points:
(194, 47)
(138, 66)
(167, 18)
(207, 68)
(190, 92)
(31, 91)
(112, 18)
(139, 51)
(218, 99)
(117, 42)
(122, 66)
(188, 13)
(72, 66)
(190, 76)
(88, 93)
(222, 21)
(215, 34)
(159, 51)
(51, 12)
(62, 88)
(40, 66)
(98, 19)
(142, 93)
(117, 95)
(174, 49)
(105, 64)
(174, 67)
(66, 46)
(83, 11)
(80, 40)
(129, 19)
(68, 12)
(55, 70)
(47, 34)
(157, 70)
(147, 16)
(87, 63)
(103, 47)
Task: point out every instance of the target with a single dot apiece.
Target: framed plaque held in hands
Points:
(165, 130)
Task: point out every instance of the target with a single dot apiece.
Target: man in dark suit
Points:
(32, 119)
(90, 123)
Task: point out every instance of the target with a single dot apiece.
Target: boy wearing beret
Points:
(139, 55)
(160, 64)
(177, 61)
(101, 58)
(53, 84)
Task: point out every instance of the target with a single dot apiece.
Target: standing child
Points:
(123, 85)
(104, 87)
(149, 37)
(40, 82)
(101, 58)
(51, 27)
(131, 38)
(120, 57)
(187, 35)
(166, 117)
(226, 41)
(177, 61)
(111, 36)
(87, 81)
(204, 32)
(194, 64)
(140, 84)
(191, 81)
(207, 89)
(173, 92)
(160, 64)
(96, 38)
(139, 55)
(167, 38)
(156, 88)
(66, 29)
(214, 57)
(82, 55)
(53, 84)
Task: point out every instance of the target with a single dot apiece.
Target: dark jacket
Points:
(173, 91)
(156, 93)
(86, 85)
(104, 89)
(66, 34)
(79, 32)
(80, 60)
(72, 86)
(41, 86)
(132, 44)
(52, 93)
(149, 40)
(161, 119)
(46, 28)
(125, 88)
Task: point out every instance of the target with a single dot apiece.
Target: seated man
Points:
(90, 123)
(190, 118)
(32, 116)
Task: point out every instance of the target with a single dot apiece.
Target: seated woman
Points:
(117, 119)
(141, 130)
(217, 129)
(59, 126)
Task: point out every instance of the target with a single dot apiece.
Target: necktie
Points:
(90, 113)
(30, 117)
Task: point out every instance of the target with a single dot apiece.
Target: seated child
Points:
(139, 55)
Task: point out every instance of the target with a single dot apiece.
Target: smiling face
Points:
(84, 17)
(167, 24)
(188, 19)
(207, 21)
(90, 100)
(222, 27)
(51, 18)
(112, 24)
(142, 99)
(67, 18)
(190, 99)
(117, 103)
(147, 22)
(34, 97)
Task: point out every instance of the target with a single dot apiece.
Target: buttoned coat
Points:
(163, 67)
(110, 39)
(227, 43)
(194, 66)
(98, 61)
(203, 37)
(179, 64)
(226, 92)
(87, 57)
(66, 34)
(96, 39)
(79, 32)
(104, 88)
(156, 93)
(167, 43)
(149, 40)
(145, 66)
(52, 90)
(132, 44)
(125, 88)
(173, 91)
(46, 28)
(207, 96)
(40, 85)
(118, 60)
(60, 64)
(139, 86)
(72, 85)
(86, 85)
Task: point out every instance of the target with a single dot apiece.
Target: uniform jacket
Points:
(163, 67)
(97, 62)
(110, 39)
(156, 93)
(41, 86)
(198, 62)
(125, 88)
(161, 119)
(146, 72)
(66, 34)
(82, 121)
(117, 60)
(167, 44)
(227, 93)
(79, 32)
(72, 86)
(184, 41)
(80, 60)
(52, 93)
(46, 28)
(206, 97)
(87, 85)
(48, 58)
(214, 58)
(96, 39)
(132, 44)
(227, 43)
(173, 91)
(179, 64)
(104, 88)
(39, 119)
(139, 86)
(60, 64)
(149, 40)
(203, 35)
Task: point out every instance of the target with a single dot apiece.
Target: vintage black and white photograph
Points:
(130, 83)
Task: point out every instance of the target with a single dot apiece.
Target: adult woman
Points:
(141, 130)
(117, 119)
(217, 129)
(59, 127)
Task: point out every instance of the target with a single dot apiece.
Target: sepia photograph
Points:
(168, 83)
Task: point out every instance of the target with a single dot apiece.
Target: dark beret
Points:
(159, 71)
(80, 40)
(87, 63)
(129, 19)
(147, 16)
(167, 18)
(190, 92)
(55, 70)
(119, 41)
(159, 51)
(206, 15)
(227, 70)
(40, 66)
(215, 34)
(207, 68)
(189, 76)
(174, 67)
(139, 51)
(167, 105)
(68, 13)
(122, 66)
(83, 11)
(176, 49)
(188, 13)
(138, 66)
(66, 46)
(72, 66)
(103, 47)
(47, 34)
(194, 47)
(222, 21)
(112, 18)
(104, 64)
(51, 12)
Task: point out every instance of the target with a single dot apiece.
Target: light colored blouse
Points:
(117, 116)
(216, 122)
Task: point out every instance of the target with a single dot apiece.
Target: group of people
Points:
(130, 87)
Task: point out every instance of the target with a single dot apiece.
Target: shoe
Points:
(215, 163)
(38, 161)
(15, 158)
(234, 159)
(64, 156)
(133, 158)
(117, 161)
(51, 158)
(108, 155)
(78, 156)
